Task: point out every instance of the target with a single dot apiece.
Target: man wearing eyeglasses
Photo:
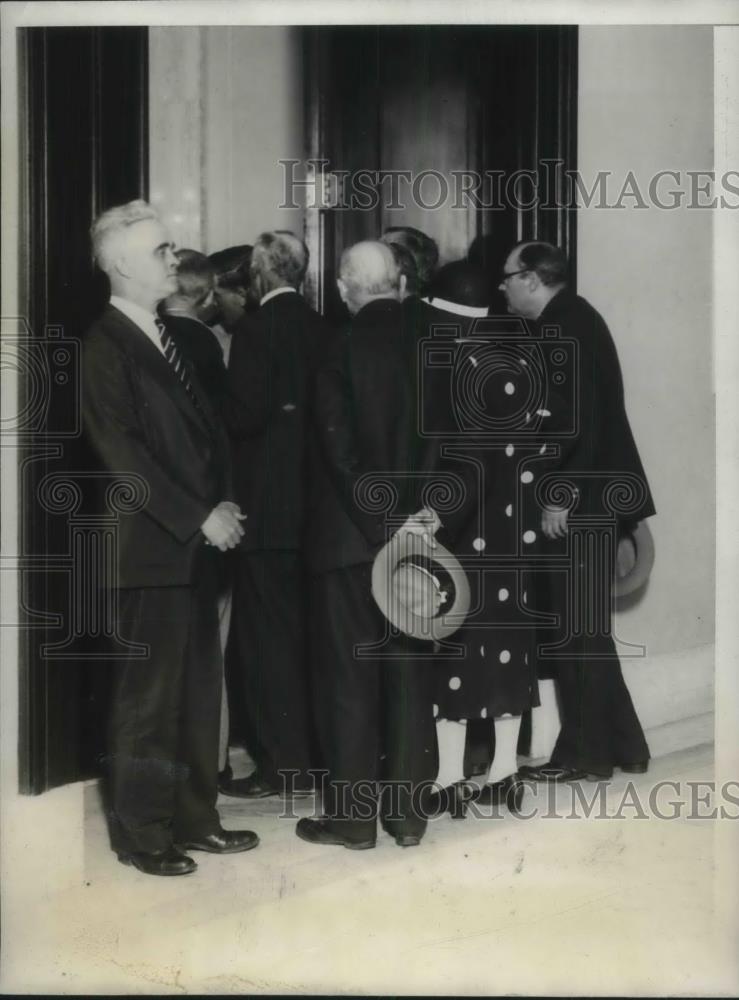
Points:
(600, 729)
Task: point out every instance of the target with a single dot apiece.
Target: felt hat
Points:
(422, 591)
(634, 559)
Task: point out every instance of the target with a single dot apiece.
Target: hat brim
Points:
(643, 543)
(406, 546)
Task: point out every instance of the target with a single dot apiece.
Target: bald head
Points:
(368, 271)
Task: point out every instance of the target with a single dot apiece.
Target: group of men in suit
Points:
(267, 457)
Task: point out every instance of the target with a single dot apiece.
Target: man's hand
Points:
(424, 523)
(222, 528)
(554, 522)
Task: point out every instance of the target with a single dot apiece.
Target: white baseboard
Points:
(673, 694)
(680, 735)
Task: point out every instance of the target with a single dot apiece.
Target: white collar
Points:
(455, 307)
(274, 292)
(183, 314)
(136, 313)
(145, 321)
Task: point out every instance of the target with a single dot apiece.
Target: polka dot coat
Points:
(489, 669)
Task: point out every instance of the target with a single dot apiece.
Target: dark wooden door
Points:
(84, 148)
(439, 102)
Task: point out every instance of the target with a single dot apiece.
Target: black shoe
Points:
(257, 787)
(407, 840)
(225, 777)
(318, 831)
(169, 862)
(558, 773)
(509, 791)
(453, 799)
(253, 787)
(637, 767)
(223, 842)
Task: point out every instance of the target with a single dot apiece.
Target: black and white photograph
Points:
(370, 537)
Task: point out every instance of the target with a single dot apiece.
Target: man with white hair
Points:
(267, 660)
(147, 415)
(367, 707)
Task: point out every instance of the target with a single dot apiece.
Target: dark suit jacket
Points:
(140, 419)
(269, 375)
(366, 413)
(199, 345)
(604, 443)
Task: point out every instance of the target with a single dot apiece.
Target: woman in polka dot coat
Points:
(490, 669)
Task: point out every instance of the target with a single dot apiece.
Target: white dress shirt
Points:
(456, 307)
(276, 291)
(143, 319)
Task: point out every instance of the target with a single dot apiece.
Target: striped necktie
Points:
(178, 364)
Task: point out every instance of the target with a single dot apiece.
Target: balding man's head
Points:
(368, 271)
(533, 273)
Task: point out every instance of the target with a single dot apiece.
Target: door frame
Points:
(551, 135)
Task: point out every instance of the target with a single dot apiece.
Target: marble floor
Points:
(553, 904)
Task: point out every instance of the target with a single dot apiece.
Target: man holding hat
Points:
(371, 476)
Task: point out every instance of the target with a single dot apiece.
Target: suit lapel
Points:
(135, 342)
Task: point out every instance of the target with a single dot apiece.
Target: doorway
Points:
(464, 132)
(84, 102)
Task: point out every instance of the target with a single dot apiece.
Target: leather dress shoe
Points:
(407, 840)
(453, 799)
(223, 842)
(253, 787)
(257, 787)
(558, 773)
(509, 791)
(635, 767)
(225, 777)
(318, 831)
(169, 862)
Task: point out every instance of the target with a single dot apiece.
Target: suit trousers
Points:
(599, 725)
(224, 626)
(164, 725)
(267, 664)
(374, 713)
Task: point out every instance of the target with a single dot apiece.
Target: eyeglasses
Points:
(511, 274)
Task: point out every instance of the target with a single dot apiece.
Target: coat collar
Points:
(134, 342)
(377, 307)
(556, 304)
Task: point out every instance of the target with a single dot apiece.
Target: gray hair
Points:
(280, 257)
(108, 226)
(422, 248)
(369, 268)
